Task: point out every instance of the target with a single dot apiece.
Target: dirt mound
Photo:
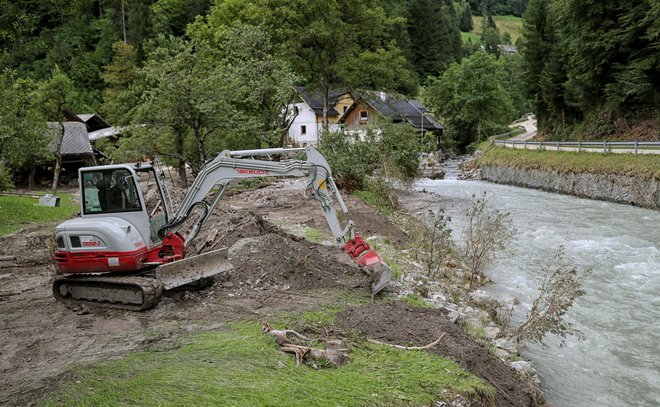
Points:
(282, 261)
(421, 326)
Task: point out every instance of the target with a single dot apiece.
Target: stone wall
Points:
(625, 189)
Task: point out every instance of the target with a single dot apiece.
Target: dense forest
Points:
(195, 77)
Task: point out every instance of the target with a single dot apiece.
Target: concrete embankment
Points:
(627, 189)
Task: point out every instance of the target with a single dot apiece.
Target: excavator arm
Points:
(233, 165)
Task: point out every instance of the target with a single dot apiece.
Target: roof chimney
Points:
(383, 96)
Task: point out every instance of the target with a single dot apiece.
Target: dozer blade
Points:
(192, 269)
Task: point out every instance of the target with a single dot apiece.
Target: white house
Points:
(308, 122)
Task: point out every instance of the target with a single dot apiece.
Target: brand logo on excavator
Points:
(252, 172)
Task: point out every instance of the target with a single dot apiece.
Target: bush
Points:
(561, 285)
(5, 179)
(388, 150)
(487, 233)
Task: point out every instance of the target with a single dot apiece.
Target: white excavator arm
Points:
(233, 165)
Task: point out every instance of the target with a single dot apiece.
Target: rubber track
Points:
(151, 290)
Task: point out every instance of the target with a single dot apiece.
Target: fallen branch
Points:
(430, 345)
(335, 353)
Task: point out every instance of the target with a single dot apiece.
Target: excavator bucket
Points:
(193, 269)
(364, 256)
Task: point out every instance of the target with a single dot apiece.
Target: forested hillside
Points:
(593, 67)
(195, 77)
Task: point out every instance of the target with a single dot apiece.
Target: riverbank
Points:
(621, 178)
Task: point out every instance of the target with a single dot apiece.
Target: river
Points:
(618, 363)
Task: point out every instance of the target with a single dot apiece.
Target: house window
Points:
(363, 116)
(303, 129)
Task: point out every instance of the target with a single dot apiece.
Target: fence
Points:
(635, 147)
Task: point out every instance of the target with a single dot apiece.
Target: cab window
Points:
(107, 191)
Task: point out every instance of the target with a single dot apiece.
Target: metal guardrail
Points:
(636, 147)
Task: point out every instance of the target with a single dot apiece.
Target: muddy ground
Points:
(42, 340)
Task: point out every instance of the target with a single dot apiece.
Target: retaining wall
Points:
(625, 189)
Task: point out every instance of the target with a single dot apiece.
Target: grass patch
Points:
(510, 24)
(416, 300)
(16, 211)
(474, 38)
(621, 164)
(376, 200)
(312, 234)
(243, 367)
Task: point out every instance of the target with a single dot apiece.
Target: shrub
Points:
(561, 285)
(487, 233)
(5, 179)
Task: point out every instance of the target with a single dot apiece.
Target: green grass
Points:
(510, 24)
(624, 164)
(416, 300)
(16, 211)
(376, 200)
(474, 38)
(243, 367)
(312, 234)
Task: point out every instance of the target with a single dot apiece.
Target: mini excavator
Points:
(124, 251)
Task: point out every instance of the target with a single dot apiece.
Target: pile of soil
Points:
(400, 324)
(281, 261)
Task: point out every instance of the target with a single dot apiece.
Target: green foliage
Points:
(389, 149)
(5, 179)
(466, 24)
(561, 286)
(243, 367)
(16, 211)
(433, 26)
(487, 233)
(588, 59)
(23, 142)
(433, 242)
(471, 98)
(118, 76)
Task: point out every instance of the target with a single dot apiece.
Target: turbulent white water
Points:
(619, 362)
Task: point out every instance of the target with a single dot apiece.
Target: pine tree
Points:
(466, 24)
(435, 37)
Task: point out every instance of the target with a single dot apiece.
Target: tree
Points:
(260, 85)
(471, 98)
(466, 24)
(487, 233)
(184, 96)
(436, 42)
(23, 141)
(491, 39)
(118, 76)
(537, 43)
(52, 98)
